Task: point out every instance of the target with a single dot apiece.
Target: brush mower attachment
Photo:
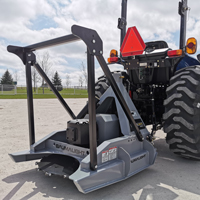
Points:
(107, 142)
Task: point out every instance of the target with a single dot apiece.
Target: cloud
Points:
(7, 60)
(35, 21)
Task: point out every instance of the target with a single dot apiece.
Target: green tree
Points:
(7, 79)
(57, 82)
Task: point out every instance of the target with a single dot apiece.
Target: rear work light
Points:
(113, 56)
(175, 53)
(191, 46)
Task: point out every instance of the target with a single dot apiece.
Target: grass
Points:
(65, 93)
(40, 96)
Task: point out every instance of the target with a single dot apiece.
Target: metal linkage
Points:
(154, 123)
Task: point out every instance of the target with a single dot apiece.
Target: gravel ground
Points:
(169, 178)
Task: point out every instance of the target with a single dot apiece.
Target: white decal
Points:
(112, 153)
(105, 156)
(109, 154)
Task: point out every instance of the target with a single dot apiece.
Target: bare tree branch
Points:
(84, 72)
(68, 81)
(35, 77)
(45, 64)
(16, 76)
(80, 80)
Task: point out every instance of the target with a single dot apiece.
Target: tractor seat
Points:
(154, 49)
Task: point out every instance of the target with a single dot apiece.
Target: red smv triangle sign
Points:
(133, 44)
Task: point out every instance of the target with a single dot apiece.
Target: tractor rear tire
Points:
(182, 113)
(101, 86)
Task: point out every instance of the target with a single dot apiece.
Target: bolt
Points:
(29, 54)
(93, 41)
(65, 176)
(49, 174)
(94, 50)
(95, 167)
(101, 52)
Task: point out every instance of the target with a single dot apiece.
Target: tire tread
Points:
(182, 116)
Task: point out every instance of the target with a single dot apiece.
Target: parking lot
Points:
(171, 177)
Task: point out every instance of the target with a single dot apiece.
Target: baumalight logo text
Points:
(70, 149)
(138, 158)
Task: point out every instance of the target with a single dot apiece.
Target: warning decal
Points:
(109, 154)
(105, 156)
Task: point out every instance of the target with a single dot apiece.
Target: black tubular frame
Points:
(94, 48)
(183, 8)
(53, 42)
(29, 58)
(123, 20)
(92, 110)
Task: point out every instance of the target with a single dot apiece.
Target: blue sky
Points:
(26, 22)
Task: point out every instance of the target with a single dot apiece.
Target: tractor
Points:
(108, 141)
(164, 85)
